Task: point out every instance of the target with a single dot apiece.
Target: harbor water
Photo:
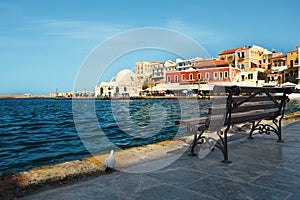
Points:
(38, 132)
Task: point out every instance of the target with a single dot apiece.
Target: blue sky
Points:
(44, 43)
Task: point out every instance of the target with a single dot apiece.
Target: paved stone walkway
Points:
(261, 169)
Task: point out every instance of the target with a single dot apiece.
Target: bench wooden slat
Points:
(263, 98)
(251, 89)
(248, 107)
(253, 116)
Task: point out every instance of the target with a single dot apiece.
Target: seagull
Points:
(110, 162)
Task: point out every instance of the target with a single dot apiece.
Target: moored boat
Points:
(296, 92)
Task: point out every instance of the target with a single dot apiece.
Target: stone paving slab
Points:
(222, 188)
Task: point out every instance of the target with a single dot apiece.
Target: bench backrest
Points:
(238, 104)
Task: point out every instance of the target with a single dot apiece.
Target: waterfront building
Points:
(158, 71)
(267, 60)
(247, 57)
(124, 84)
(242, 58)
(254, 62)
(213, 71)
(105, 89)
(251, 57)
(298, 65)
(292, 62)
(186, 64)
(143, 70)
(229, 55)
(276, 74)
(170, 65)
(252, 77)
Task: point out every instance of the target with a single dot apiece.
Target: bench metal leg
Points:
(198, 139)
(192, 153)
(225, 153)
(274, 127)
(223, 145)
(251, 131)
(279, 131)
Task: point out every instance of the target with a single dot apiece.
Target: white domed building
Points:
(123, 85)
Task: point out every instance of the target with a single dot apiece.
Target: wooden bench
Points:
(232, 105)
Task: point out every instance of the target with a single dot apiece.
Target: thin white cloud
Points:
(57, 32)
(201, 34)
(80, 29)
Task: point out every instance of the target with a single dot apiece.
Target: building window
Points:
(225, 74)
(216, 76)
(169, 79)
(243, 55)
(243, 77)
(207, 75)
(191, 76)
(176, 79)
(242, 66)
(198, 76)
(182, 77)
(250, 76)
(291, 63)
(221, 75)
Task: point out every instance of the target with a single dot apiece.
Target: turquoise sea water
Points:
(37, 132)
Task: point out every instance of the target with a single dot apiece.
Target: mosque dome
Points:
(126, 77)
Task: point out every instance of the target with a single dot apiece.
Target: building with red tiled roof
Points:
(279, 56)
(229, 51)
(229, 55)
(212, 63)
(213, 71)
(293, 51)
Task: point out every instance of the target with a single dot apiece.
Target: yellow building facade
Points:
(143, 70)
(292, 62)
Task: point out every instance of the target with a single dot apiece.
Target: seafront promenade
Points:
(261, 169)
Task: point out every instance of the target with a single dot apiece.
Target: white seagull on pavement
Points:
(110, 162)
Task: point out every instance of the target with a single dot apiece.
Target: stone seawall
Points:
(38, 179)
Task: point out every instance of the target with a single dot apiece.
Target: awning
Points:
(156, 89)
(288, 84)
(279, 69)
